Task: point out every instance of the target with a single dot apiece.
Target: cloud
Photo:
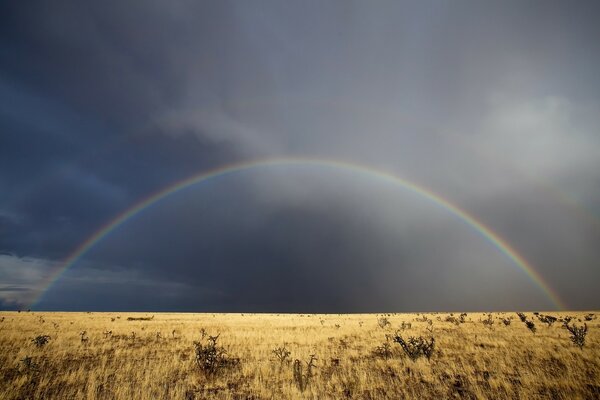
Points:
(21, 278)
(539, 136)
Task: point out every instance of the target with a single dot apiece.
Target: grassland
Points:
(120, 356)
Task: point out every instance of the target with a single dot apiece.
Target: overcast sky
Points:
(493, 106)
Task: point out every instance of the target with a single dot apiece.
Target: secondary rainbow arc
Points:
(492, 237)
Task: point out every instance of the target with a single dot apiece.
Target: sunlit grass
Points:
(119, 355)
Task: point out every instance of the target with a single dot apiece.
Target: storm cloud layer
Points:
(494, 107)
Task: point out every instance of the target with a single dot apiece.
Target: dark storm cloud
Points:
(493, 106)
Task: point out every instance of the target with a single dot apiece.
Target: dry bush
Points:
(547, 319)
(405, 325)
(422, 319)
(41, 340)
(577, 334)
(140, 318)
(302, 378)
(384, 351)
(489, 321)
(456, 320)
(211, 358)
(566, 319)
(29, 363)
(589, 317)
(415, 347)
(383, 322)
(282, 354)
(530, 325)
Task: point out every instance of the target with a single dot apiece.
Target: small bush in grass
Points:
(211, 358)
(547, 319)
(140, 318)
(416, 347)
(566, 320)
(29, 363)
(41, 340)
(302, 378)
(383, 322)
(383, 351)
(530, 325)
(577, 334)
(422, 319)
(405, 325)
(429, 326)
(282, 354)
(489, 321)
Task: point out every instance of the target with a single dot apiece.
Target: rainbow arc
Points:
(502, 245)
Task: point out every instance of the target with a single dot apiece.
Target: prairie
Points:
(355, 356)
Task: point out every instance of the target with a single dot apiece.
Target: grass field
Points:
(118, 355)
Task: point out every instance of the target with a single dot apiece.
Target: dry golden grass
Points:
(155, 359)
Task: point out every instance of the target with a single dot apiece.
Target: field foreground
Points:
(268, 356)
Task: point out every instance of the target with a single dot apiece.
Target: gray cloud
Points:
(21, 279)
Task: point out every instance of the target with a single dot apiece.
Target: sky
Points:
(492, 106)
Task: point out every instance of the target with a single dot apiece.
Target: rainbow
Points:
(461, 214)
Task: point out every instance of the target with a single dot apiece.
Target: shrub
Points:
(415, 347)
(301, 378)
(41, 340)
(577, 334)
(530, 325)
(422, 319)
(383, 351)
(29, 363)
(566, 319)
(429, 326)
(282, 354)
(383, 322)
(211, 358)
(489, 321)
(547, 319)
(140, 318)
(405, 325)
